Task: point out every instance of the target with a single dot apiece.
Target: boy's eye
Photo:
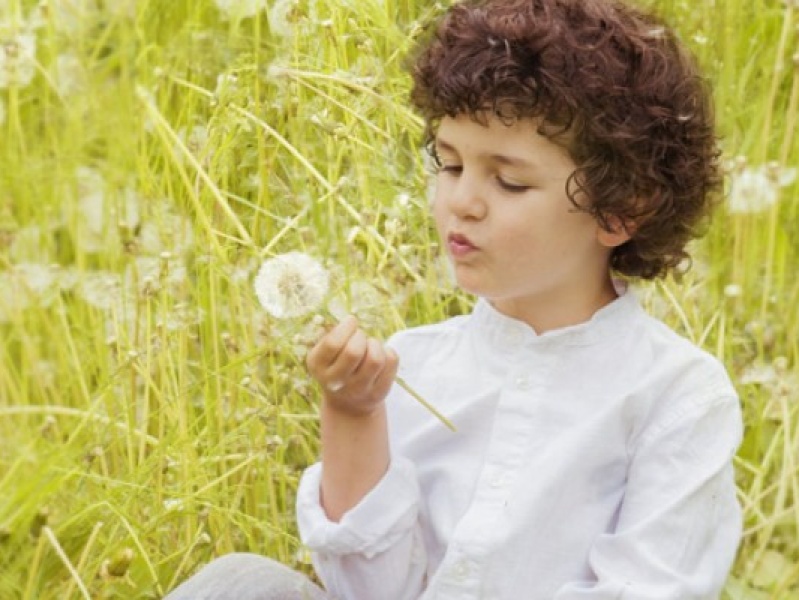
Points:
(452, 169)
(512, 187)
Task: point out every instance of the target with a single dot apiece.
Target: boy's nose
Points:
(465, 198)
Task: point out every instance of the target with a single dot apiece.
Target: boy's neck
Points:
(559, 310)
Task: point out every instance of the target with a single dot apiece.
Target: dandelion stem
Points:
(404, 385)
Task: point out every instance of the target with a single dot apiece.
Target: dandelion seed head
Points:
(280, 18)
(29, 245)
(166, 232)
(240, 9)
(100, 289)
(291, 285)
(17, 56)
(70, 75)
(26, 285)
(752, 191)
(756, 189)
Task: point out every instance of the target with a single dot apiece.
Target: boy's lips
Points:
(460, 245)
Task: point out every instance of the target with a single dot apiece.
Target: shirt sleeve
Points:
(376, 550)
(679, 525)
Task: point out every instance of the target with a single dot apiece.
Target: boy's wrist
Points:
(333, 407)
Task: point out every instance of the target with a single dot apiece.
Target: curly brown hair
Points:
(612, 84)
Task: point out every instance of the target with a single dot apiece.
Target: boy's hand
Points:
(355, 371)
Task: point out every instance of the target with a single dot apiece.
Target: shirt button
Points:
(497, 482)
(523, 382)
(460, 570)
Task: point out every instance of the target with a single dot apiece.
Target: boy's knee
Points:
(246, 576)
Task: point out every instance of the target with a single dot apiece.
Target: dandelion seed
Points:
(733, 290)
(291, 285)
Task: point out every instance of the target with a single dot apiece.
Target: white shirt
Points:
(590, 462)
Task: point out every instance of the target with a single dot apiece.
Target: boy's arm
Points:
(355, 373)
(680, 524)
(358, 509)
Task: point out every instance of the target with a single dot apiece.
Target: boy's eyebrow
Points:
(503, 159)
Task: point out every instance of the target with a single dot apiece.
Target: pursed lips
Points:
(460, 245)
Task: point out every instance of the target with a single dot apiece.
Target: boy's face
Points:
(510, 230)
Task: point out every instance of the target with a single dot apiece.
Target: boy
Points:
(593, 453)
(594, 446)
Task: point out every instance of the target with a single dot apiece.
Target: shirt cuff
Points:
(383, 517)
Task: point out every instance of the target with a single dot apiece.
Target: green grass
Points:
(165, 419)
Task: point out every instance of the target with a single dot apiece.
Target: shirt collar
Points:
(507, 333)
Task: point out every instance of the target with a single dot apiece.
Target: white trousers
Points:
(244, 576)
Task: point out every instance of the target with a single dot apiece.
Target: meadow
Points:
(154, 152)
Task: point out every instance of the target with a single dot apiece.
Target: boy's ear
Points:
(620, 230)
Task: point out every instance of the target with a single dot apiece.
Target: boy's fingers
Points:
(327, 349)
(351, 356)
(388, 374)
(372, 365)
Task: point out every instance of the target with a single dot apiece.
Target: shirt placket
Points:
(464, 570)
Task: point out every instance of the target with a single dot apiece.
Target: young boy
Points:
(593, 453)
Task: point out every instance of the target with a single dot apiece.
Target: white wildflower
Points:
(280, 23)
(17, 57)
(26, 285)
(166, 232)
(733, 290)
(91, 209)
(70, 75)
(150, 274)
(240, 9)
(195, 139)
(38, 280)
(101, 289)
(291, 285)
(760, 374)
(67, 16)
(755, 190)
(29, 245)
(181, 316)
(68, 278)
(100, 217)
(174, 505)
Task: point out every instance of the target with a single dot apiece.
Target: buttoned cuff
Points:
(382, 517)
